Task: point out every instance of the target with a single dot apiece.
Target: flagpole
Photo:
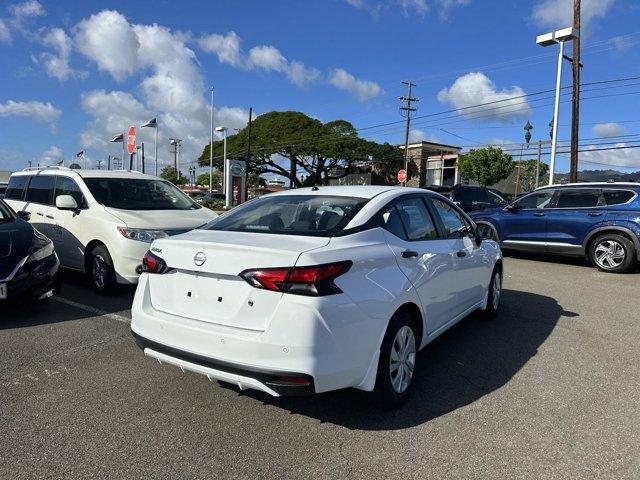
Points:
(123, 151)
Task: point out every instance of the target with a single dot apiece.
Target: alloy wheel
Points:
(99, 271)
(609, 254)
(403, 359)
(497, 287)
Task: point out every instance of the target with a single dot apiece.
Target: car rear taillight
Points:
(313, 280)
(153, 264)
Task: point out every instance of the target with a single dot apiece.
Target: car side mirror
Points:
(24, 215)
(510, 208)
(66, 202)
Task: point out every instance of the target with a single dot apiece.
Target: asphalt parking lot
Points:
(550, 389)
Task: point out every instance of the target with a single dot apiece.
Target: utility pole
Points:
(142, 157)
(538, 163)
(575, 100)
(406, 109)
(109, 162)
(211, 148)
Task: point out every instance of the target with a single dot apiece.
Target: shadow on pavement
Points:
(75, 290)
(474, 358)
(560, 260)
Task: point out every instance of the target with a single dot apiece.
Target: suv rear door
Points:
(38, 200)
(574, 213)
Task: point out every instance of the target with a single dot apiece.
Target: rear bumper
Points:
(332, 344)
(267, 381)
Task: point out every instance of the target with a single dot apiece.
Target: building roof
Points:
(432, 146)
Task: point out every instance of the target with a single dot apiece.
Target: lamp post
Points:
(176, 155)
(559, 37)
(224, 156)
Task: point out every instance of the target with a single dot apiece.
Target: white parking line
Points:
(95, 311)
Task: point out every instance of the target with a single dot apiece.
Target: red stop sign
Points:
(131, 140)
(402, 176)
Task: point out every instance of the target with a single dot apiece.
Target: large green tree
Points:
(487, 166)
(294, 145)
(169, 173)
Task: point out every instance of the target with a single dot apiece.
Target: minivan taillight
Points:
(313, 280)
(153, 264)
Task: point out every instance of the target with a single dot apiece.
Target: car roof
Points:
(84, 173)
(593, 184)
(359, 191)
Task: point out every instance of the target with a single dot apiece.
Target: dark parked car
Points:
(3, 189)
(471, 199)
(28, 262)
(599, 220)
(211, 197)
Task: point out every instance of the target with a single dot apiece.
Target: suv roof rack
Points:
(55, 167)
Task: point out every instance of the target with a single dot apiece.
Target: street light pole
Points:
(211, 147)
(224, 159)
(559, 37)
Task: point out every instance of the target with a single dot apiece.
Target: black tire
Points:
(384, 393)
(493, 305)
(103, 282)
(620, 257)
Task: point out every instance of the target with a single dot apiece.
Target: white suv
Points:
(102, 221)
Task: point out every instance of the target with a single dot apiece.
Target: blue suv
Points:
(599, 220)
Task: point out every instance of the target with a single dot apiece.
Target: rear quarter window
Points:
(617, 197)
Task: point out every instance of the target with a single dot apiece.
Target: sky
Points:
(74, 74)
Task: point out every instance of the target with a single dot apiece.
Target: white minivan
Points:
(102, 221)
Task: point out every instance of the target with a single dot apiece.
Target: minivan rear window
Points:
(40, 189)
(318, 216)
(16, 185)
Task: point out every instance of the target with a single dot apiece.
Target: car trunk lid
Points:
(204, 282)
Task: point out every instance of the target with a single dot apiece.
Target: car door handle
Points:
(49, 216)
(594, 214)
(40, 213)
(538, 214)
(409, 254)
(461, 253)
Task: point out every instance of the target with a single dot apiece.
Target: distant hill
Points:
(602, 176)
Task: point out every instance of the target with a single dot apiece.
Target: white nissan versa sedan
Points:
(316, 289)
(102, 221)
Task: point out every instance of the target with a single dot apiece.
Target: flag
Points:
(80, 154)
(153, 123)
(118, 138)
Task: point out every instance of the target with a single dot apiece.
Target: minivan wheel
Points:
(101, 272)
(612, 253)
(396, 367)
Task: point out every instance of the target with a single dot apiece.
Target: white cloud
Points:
(356, 3)
(622, 157)
(51, 156)
(28, 9)
(417, 135)
(414, 7)
(476, 89)
(57, 64)
(610, 129)
(266, 57)
(42, 112)
(226, 47)
(559, 13)
(109, 40)
(363, 89)
(262, 57)
(5, 33)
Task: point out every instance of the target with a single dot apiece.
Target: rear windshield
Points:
(139, 194)
(319, 216)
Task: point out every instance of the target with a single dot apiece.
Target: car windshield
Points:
(319, 216)
(139, 194)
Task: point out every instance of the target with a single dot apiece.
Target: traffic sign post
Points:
(402, 176)
(131, 144)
